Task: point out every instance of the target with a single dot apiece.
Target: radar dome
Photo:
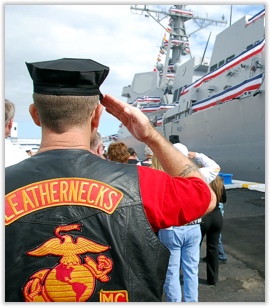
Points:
(176, 65)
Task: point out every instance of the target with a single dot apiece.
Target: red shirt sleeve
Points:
(172, 201)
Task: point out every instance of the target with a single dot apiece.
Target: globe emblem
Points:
(73, 279)
(69, 284)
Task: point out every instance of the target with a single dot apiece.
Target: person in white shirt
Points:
(208, 167)
(13, 153)
(184, 242)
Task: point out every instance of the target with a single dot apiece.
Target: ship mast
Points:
(178, 43)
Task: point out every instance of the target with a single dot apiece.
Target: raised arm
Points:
(172, 161)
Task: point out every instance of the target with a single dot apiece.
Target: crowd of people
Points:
(85, 224)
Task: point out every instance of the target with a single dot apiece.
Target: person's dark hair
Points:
(131, 151)
(60, 113)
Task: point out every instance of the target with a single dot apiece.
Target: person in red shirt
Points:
(80, 228)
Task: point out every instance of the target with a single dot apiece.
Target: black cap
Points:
(73, 77)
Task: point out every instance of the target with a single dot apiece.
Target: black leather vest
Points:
(76, 231)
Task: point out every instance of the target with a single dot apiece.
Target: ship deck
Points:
(242, 278)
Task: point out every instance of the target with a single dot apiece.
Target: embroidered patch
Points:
(60, 191)
(113, 296)
(71, 280)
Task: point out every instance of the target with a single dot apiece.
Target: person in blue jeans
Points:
(222, 254)
(183, 242)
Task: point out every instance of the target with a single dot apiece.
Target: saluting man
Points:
(80, 228)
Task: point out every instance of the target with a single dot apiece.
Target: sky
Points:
(107, 33)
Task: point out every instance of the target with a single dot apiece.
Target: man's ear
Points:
(10, 123)
(100, 149)
(96, 116)
(34, 114)
(8, 127)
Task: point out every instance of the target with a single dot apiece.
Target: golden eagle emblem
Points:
(71, 280)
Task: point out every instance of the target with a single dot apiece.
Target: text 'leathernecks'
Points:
(60, 191)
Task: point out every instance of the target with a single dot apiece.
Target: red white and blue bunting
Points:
(233, 92)
(168, 76)
(245, 55)
(181, 12)
(255, 17)
(146, 99)
(159, 121)
(161, 107)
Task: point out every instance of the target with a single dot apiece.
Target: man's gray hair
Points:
(95, 141)
(9, 111)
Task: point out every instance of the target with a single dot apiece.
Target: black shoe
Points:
(223, 261)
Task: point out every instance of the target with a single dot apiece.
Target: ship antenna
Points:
(177, 33)
(205, 48)
(231, 16)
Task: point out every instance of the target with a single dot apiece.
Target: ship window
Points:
(249, 46)
(221, 63)
(176, 94)
(229, 58)
(213, 67)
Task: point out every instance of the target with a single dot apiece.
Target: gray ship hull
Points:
(233, 134)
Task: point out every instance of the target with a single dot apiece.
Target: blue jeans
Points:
(184, 245)
(222, 255)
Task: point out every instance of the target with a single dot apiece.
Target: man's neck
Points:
(74, 139)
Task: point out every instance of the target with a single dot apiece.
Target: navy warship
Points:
(214, 106)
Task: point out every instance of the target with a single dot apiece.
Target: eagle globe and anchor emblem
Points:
(71, 280)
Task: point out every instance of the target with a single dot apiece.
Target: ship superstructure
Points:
(214, 106)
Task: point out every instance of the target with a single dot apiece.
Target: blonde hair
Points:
(217, 186)
(156, 164)
(59, 113)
